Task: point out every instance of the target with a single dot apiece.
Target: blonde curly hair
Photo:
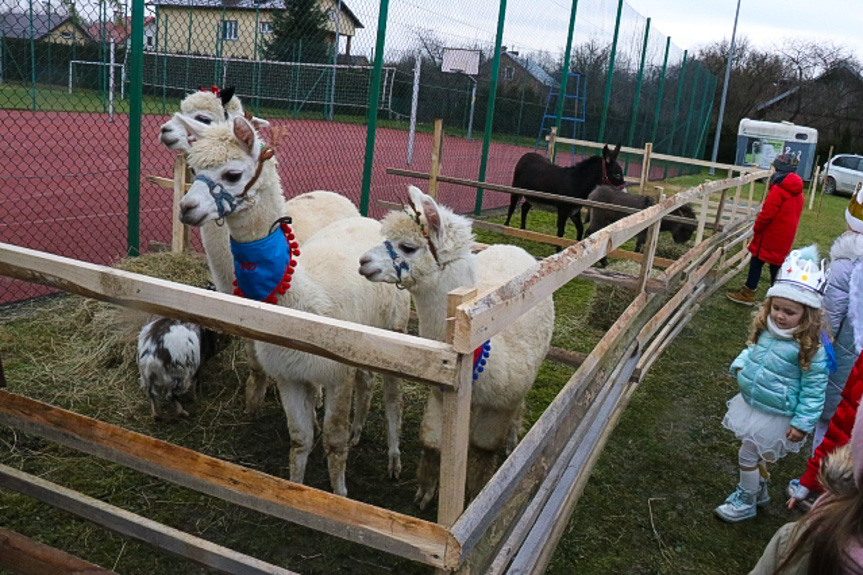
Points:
(807, 334)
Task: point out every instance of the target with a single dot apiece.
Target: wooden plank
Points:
(642, 370)
(388, 531)
(535, 554)
(523, 234)
(620, 279)
(179, 231)
(434, 172)
(24, 556)
(637, 257)
(528, 519)
(645, 166)
(549, 433)
(496, 310)
(136, 527)
(551, 139)
(565, 356)
(347, 342)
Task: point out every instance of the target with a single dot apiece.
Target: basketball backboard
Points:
(458, 60)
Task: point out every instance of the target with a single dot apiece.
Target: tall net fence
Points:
(310, 69)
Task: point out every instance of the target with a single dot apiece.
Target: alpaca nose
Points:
(365, 259)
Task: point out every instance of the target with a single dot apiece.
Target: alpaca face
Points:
(225, 159)
(173, 134)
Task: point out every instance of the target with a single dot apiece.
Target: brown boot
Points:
(745, 296)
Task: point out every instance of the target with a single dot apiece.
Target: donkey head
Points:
(612, 173)
(681, 233)
(227, 159)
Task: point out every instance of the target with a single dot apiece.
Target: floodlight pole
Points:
(472, 103)
(724, 92)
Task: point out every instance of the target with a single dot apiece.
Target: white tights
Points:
(749, 459)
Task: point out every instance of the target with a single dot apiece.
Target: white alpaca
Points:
(428, 251)
(226, 158)
(318, 208)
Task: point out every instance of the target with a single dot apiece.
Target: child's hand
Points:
(794, 434)
(791, 503)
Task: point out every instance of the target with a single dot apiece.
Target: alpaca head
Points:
(207, 107)
(420, 242)
(227, 158)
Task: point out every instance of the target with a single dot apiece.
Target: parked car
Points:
(843, 173)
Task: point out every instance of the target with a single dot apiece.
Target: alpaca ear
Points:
(432, 214)
(193, 127)
(244, 132)
(226, 95)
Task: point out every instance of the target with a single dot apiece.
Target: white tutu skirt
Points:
(765, 430)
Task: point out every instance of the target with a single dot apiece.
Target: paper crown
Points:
(854, 211)
(799, 271)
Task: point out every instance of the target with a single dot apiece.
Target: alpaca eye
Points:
(408, 249)
(232, 177)
(204, 119)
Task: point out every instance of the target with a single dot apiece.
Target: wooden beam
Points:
(647, 262)
(347, 342)
(388, 531)
(645, 167)
(620, 279)
(179, 231)
(24, 556)
(565, 356)
(493, 312)
(135, 526)
(551, 139)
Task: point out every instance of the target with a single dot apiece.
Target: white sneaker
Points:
(739, 506)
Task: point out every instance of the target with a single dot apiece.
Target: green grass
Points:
(669, 447)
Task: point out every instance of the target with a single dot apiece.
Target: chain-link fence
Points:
(69, 173)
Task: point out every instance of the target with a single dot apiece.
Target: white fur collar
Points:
(778, 332)
(847, 246)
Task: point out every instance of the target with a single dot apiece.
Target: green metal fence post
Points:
(136, 67)
(706, 128)
(605, 102)
(32, 60)
(661, 89)
(702, 112)
(165, 70)
(489, 111)
(372, 117)
(689, 111)
(564, 74)
(188, 50)
(638, 84)
(680, 77)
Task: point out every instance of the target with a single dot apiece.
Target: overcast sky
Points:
(691, 23)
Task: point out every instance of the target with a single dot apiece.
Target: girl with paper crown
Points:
(781, 375)
(843, 306)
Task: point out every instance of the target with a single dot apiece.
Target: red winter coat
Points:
(839, 432)
(776, 224)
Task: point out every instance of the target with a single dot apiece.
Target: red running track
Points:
(64, 178)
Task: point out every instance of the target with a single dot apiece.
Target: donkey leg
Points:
(575, 216)
(256, 385)
(525, 207)
(513, 202)
(337, 412)
(393, 407)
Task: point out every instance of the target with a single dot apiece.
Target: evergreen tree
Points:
(299, 33)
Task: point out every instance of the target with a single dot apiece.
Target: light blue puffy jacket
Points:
(770, 379)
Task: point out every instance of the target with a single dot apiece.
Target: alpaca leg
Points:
(514, 431)
(337, 414)
(365, 387)
(513, 202)
(481, 465)
(256, 385)
(298, 402)
(393, 407)
(428, 472)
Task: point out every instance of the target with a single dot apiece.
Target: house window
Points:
(508, 72)
(150, 42)
(229, 30)
(266, 27)
(66, 35)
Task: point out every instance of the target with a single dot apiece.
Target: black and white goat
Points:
(170, 354)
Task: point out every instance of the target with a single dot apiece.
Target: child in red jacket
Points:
(774, 227)
(838, 434)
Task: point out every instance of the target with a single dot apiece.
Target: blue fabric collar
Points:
(260, 266)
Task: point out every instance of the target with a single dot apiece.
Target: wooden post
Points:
(652, 239)
(702, 218)
(179, 232)
(736, 202)
(456, 423)
(645, 167)
(552, 137)
(813, 187)
(719, 209)
(436, 153)
(751, 195)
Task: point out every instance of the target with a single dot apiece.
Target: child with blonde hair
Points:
(781, 375)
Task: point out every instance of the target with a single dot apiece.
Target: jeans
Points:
(755, 267)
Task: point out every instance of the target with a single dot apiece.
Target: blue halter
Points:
(399, 263)
(220, 195)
